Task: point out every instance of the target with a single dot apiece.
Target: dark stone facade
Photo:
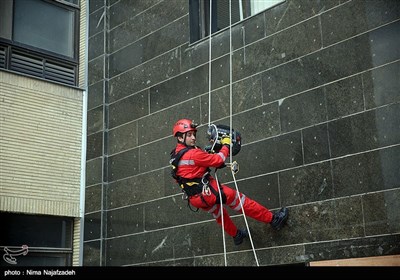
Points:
(315, 87)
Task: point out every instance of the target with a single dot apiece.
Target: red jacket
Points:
(195, 162)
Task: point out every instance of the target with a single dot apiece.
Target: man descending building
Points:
(191, 169)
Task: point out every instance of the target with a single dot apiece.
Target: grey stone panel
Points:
(368, 172)
(169, 185)
(129, 109)
(93, 198)
(123, 138)
(95, 5)
(127, 58)
(171, 211)
(136, 189)
(180, 242)
(198, 240)
(96, 46)
(355, 17)
(145, 23)
(184, 262)
(293, 11)
(277, 49)
(311, 223)
(303, 110)
(254, 29)
(246, 94)
(219, 44)
(124, 10)
(94, 171)
(95, 120)
(140, 248)
(238, 34)
(381, 212)
(291, 78)
(270, 155)
(156, 155)
(145, 75)
(91, 253)
(95, 95)
(96, 70)
(92, 226)
(194, 56)
(281, 255)
(219, 105)
(220, 72)
(257, 124)
(315, 143)
(306, 184)
(319, 221)
(96, 22)
(212, 260)
(94, 146)
(242, 258)
(157, 43)
(160, 124)
(344, 97)
(179, 88)
(126, 220)
(385, 44)
(354, 248)
(123, 165)
(332, 63)
(365, 131)
(350, 222)
(381, 85)
(263, 189)
(198, 53)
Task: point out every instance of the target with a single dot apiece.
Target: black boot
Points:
(240, 235)
(279, 219)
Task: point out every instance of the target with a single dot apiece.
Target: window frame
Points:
(199, 18)
(65, 254)
(9, 45)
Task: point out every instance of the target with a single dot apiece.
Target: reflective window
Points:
(32, 240)
(48, 27)
(220, 14)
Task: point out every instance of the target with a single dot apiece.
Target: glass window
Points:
(41, 38)
(48, 27)
(19, 230)
(240, 10)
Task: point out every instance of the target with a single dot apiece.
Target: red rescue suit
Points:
(193, 165)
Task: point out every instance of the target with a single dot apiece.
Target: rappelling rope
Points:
(231, 132)
(209, 124)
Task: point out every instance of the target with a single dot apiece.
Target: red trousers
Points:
(251, 208)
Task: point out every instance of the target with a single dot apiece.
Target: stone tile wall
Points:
(315, 90)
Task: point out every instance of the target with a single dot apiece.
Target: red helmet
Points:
(183, 126)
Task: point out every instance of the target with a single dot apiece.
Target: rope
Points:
(231, 132)
(209, 124)
(231, 125)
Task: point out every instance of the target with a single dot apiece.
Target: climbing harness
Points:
(189, 187)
